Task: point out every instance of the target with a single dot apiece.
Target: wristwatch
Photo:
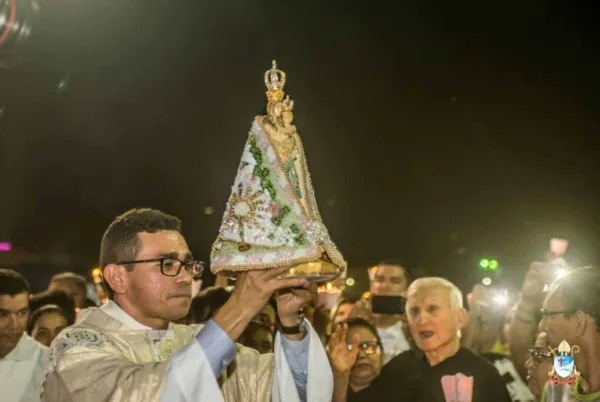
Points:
(293, 330)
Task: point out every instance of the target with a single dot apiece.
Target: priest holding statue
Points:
(272, 240)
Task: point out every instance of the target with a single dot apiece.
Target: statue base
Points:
(316, 272)
(319, 271)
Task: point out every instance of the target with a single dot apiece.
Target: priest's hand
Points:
(251, 293)
(341, 354)
(290, 303)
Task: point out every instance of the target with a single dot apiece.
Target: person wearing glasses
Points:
(130, 350)
(538, 365)
(356, 357)
(571, 312)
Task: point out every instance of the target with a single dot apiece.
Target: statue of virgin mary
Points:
(272, 219)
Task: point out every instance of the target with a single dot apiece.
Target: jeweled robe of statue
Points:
(272, 218)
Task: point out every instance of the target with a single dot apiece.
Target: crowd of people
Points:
(266, 337)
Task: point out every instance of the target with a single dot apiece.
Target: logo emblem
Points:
(563, 369)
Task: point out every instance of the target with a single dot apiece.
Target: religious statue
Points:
(271, 219)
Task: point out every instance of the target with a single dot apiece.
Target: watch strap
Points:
(293, 330)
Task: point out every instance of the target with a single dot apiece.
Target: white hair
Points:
(454, 293)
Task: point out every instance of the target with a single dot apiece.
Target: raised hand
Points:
(254, 288)
(342, 355)
(251, 293)
(292, 300)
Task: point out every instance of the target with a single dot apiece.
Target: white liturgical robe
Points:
(21, 371)
(108, 356)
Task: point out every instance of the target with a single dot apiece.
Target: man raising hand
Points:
(130, 350)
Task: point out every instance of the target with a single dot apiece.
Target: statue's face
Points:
(274, 109)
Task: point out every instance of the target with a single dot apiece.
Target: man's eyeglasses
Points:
(369, 348)
(170, 266)
(545, 313)
(538, 354)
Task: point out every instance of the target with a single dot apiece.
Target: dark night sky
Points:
(428, 126)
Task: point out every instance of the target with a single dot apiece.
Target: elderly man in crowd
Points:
(571, 312)
(440, 370)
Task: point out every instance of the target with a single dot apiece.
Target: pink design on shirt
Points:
(458, 388)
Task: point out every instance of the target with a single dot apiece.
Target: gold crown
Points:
(275, 81)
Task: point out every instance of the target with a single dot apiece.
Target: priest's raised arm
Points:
(130, 349)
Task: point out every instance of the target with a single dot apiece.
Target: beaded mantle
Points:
(272, 219)
(266, 224)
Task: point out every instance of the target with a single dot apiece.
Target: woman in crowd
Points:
(55, 297)
(47, 322)
(356, 357)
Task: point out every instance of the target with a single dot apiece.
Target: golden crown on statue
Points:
(275, 81)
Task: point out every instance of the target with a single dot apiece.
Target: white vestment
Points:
(21, 371)
(108, 356)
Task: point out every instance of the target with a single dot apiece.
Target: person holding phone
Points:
(384, 308)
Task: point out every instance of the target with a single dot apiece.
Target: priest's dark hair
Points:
(580, 291)
(120, 241)
(12, 283)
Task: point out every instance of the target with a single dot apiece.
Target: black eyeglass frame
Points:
(200, 264)
(538, 354)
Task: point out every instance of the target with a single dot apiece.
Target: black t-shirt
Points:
(409, 377)
(360, 396)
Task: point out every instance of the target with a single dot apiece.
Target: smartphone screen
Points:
(388, 304)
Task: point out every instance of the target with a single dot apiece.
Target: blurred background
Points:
(439, 133)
